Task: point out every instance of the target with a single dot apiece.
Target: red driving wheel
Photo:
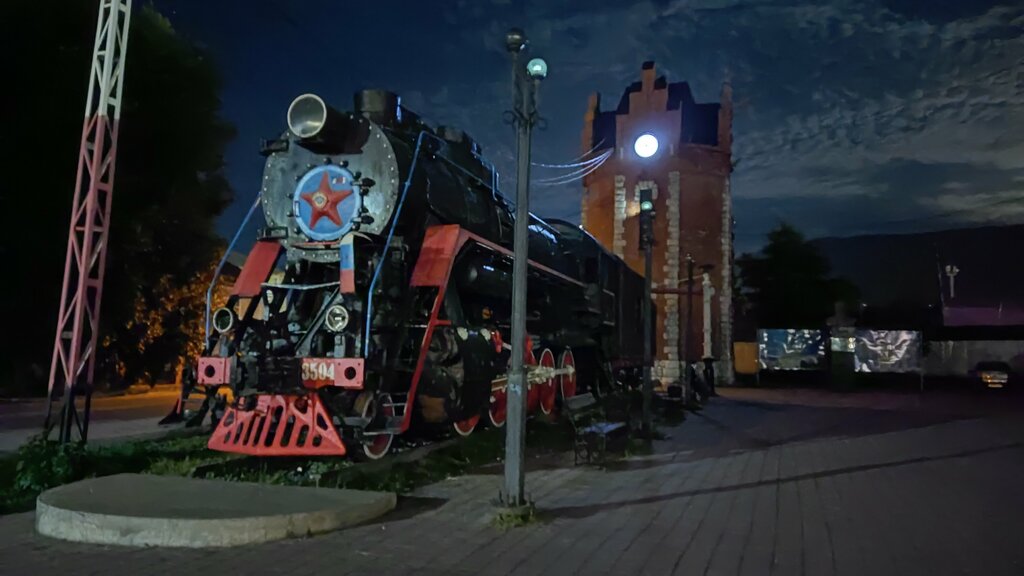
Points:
(567, 382)
(546, 388)
(497, 411)
(466, 427)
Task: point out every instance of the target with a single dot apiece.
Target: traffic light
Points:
(646, 218)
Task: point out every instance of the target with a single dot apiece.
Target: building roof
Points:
(983, 316)
(699, 121)
(909, 270)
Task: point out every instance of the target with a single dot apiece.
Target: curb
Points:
(136, 389)
(145, 510)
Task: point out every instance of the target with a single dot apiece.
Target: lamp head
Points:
(645, 145)
(537, 69)
(515, 40)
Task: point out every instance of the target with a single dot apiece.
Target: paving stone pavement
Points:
(752, 485)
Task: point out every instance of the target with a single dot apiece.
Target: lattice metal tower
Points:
(74, 349)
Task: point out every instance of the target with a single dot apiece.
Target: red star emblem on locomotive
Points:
(324, 201)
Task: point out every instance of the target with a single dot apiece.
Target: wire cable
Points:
(575, 162)
(569, 178)
(576, 165)
(596, 162)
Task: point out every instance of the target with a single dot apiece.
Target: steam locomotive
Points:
(378, 296)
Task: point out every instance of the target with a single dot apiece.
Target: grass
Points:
(481, 448)
(40, 464)
(509, 518)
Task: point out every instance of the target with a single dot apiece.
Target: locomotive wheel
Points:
(547, 389)
(531, 395)
(498, 408)
(377, 446)
(466, 427)
(567, 382)
(497, 411)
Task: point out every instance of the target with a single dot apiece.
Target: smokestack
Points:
(381, 106)
(309, 118)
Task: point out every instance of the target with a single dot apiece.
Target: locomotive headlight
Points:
(337, 318)
(223, 320)
(645, 145)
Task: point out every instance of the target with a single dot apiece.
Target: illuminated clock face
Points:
(645, 146)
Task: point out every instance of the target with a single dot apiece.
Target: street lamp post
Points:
(646, 146)
(524, 116)
(647, 243)
(687, 342)
(707, 293)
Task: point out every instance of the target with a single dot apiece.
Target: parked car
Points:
(991, 374)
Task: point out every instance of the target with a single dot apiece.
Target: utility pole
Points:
(707, 293)
(681, 348)
(647, 244)
(78, 323)
(689, 317)
(523, 116)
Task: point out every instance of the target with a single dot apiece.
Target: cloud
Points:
(839, 103)
(985, 208)
(918, 105)
(905, 196)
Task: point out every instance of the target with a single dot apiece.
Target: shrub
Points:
(43, 464)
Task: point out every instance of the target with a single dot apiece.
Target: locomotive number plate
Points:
(343, 372)
(318, 371)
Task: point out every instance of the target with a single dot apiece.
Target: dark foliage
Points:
(169, 185)
(788, 284)
(41, 464)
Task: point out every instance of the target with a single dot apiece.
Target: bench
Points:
(592, 427)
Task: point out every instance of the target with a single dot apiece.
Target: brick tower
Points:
(689, 175)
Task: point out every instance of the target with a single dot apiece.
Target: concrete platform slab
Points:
(146, 510)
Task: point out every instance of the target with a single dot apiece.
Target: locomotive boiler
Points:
(378, 295)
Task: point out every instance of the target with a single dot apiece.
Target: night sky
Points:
(852, 117)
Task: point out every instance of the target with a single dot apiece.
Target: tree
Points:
(166, 327)
(788, 284)
(169, 188)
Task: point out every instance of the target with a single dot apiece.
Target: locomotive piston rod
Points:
(534, 375)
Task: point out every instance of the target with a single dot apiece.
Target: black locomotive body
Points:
(379, 293)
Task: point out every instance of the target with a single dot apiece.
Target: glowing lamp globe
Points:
(645, 145)
(537, 68)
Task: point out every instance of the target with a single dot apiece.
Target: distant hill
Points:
(903, 269)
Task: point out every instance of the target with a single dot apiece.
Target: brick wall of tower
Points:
(693, 213)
